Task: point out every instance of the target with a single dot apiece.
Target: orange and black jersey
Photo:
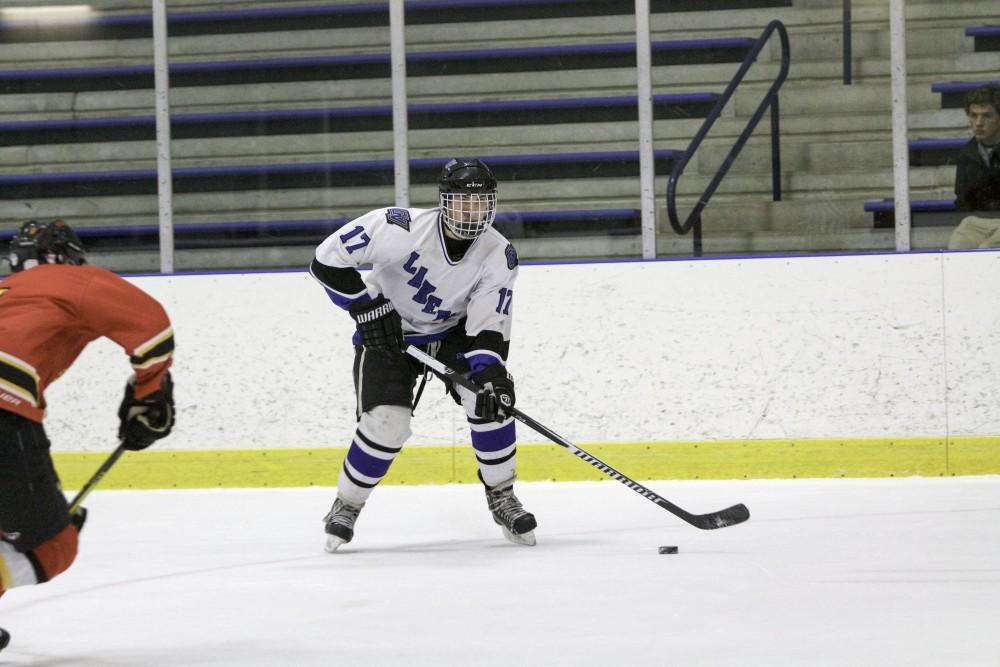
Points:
(49, 313)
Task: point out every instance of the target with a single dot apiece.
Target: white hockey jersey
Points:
(411, 268)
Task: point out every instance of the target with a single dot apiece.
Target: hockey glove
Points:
(495, 401)
(146, 420)
(379, 325)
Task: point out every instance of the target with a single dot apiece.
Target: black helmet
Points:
(45, 243)
(467, 195)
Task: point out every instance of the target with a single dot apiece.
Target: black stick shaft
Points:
(727, 517)
(96, 478)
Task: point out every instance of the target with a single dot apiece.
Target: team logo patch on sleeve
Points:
(511, 256)
(398, 216)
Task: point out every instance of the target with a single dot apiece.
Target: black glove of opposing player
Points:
(380, 326)
(146, 420)
(495, 401)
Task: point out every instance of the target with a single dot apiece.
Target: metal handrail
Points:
(693, 220)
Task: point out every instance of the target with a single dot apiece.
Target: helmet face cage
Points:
(468, 214)
(52, 243)
(467, 195)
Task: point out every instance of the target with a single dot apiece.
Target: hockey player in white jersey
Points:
(441, 279)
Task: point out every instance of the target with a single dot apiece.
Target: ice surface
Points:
(826, 572)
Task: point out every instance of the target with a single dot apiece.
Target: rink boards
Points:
(759, 459)
(861, 365)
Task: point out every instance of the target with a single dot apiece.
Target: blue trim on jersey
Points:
(495, 440)
(343, 301)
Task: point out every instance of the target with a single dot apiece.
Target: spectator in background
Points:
(977, 174)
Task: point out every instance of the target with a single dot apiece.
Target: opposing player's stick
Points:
(96, 477)
(727, 517)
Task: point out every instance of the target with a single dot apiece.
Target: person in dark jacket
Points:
(977, 174)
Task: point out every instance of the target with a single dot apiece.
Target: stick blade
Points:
(721, 519)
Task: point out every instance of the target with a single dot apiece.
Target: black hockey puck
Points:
(668, 550)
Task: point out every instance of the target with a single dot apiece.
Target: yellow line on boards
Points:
(751, 459)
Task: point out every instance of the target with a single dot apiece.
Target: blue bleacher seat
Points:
(349, 119)
(341, 16)
(375, 65)
(953, 92)
(508, 168)
(986, 37)
(923, 212)
(935, 152)
(189, 236)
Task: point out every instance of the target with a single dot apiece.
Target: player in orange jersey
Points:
(51, 307)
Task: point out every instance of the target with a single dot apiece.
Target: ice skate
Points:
(340, 523)
(517, 523)
(4, 639)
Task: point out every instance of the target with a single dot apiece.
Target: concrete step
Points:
(845, 126)
(807, 163)
(805, 22)
(805, 93)
(372, 39)
(777, 243)
(804, 216)
(375, 39)
(816, 33)
(850, 124)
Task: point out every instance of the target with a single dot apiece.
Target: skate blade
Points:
(527, 539)
(333, 543)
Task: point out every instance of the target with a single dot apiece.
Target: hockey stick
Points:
(727, 517)
(96, 477)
